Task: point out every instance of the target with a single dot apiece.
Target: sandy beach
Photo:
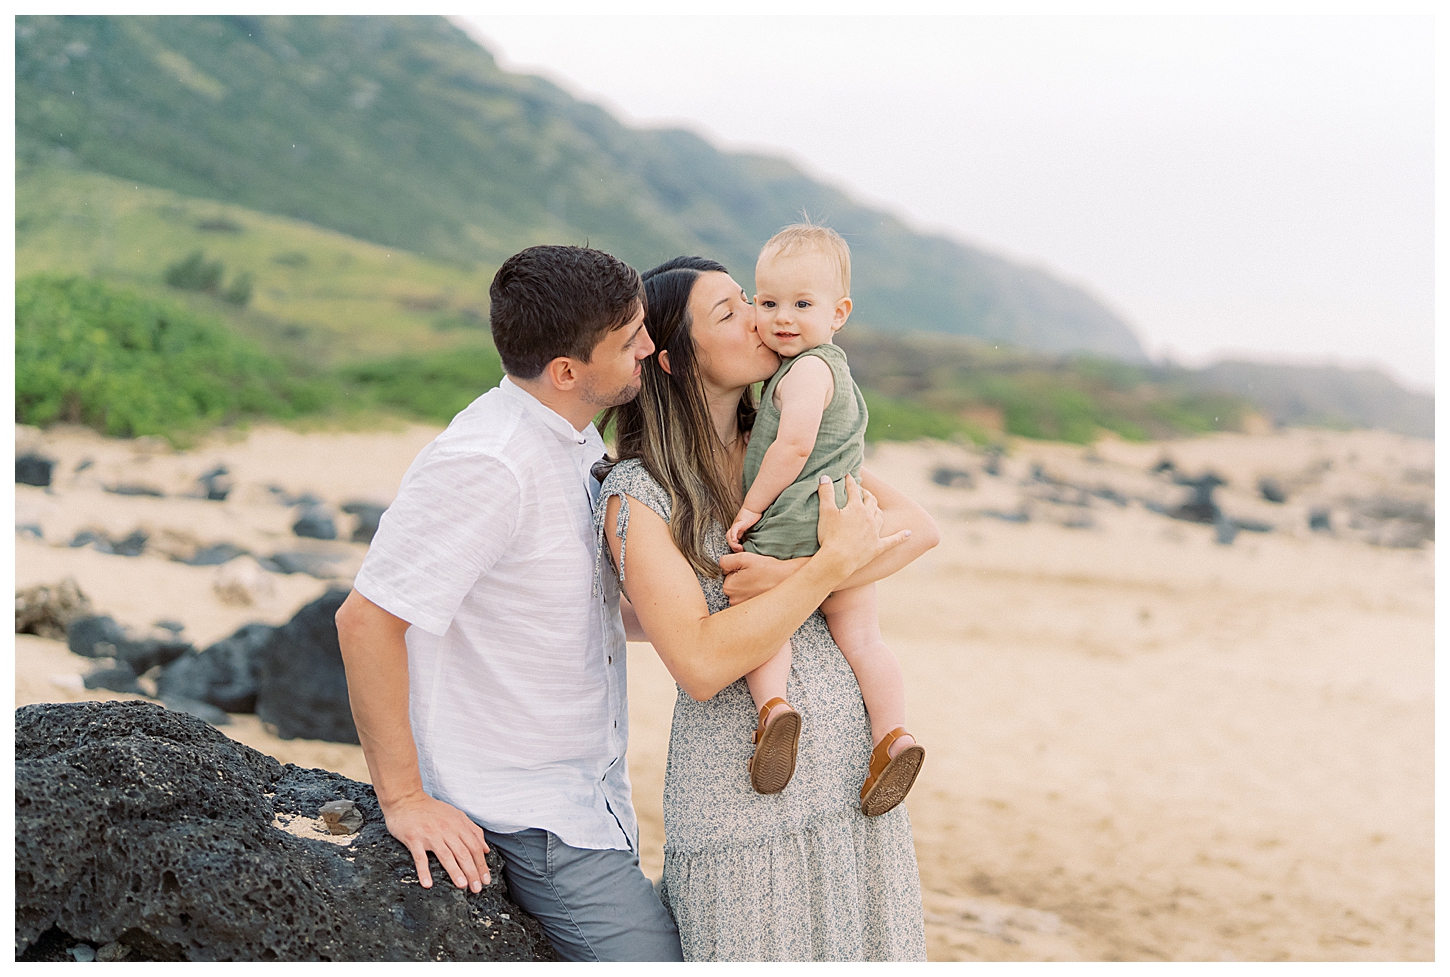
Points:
(1143, 744)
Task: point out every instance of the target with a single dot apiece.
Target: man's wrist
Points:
(397, 797)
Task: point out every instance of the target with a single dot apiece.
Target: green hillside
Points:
(318, 295)
(366, 327)
(405, 133)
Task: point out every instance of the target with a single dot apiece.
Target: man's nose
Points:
(645, 348)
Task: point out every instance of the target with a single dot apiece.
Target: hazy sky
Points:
(1258, 186)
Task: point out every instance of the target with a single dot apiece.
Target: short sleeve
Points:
(628, 478)
(455, 515)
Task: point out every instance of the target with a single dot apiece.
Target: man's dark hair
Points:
(556, 300)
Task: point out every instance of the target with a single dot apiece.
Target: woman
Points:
(800, 874)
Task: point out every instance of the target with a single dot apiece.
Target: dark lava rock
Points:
(1200, 506)
(369, 515)
(224, 675)
(204, 711)
(215, 555)
(132, 545)
(146, 828)
(952, 478)
(315, 524)
(217, 484)
(288, 499)
(33, 469)
(95, 636)
(993, 465)
(129, 489)
(319, 565)
(101, 637)
(1319, 520)
(302, 687)
(48, 609)
(1271, 491)
(1225, 530)
(119, 679)
(94, 540)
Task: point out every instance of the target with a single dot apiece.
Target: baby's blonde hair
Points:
(795, 238)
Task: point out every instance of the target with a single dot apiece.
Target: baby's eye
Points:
(803, 304)
(768, 304)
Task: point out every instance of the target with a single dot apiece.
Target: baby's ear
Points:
(843, 312)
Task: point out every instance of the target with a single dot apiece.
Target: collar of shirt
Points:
(587, 445)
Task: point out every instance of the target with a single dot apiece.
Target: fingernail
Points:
(825, 479)
(908, 532)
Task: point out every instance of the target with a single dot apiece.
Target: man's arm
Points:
(375, 656)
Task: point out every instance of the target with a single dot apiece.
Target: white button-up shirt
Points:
(516, 668)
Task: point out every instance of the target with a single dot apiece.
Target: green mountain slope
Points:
(403, 132)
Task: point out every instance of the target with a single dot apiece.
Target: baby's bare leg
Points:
(768, 681)
(851, 615)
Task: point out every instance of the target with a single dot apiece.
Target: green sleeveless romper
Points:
(788, 528)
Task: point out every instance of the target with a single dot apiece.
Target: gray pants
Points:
(594, 904)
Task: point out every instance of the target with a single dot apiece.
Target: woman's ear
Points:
(665, 360)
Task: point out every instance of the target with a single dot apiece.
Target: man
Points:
(487, 679)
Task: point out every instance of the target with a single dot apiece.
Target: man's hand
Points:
(748, 575)
(744, 519)
(425, 824)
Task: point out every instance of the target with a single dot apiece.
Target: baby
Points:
(812, 421)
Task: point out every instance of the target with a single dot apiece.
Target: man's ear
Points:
(561, 373)
(665, 360)
(843, 312)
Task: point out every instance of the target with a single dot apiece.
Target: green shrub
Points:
(429, 386)
(902, 420)
(239, 292)
(89, 353)
(195, 274)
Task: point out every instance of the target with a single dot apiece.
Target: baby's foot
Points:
(893, 769)
(902, 742)
(776, 739)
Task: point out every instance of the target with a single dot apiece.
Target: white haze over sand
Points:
(1259, 187)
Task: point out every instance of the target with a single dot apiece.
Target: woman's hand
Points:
(851, 536)
(748, 575)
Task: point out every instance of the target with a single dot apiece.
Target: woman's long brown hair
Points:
(668, 426)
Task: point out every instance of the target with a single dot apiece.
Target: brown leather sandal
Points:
(890, 777)
(773, 764)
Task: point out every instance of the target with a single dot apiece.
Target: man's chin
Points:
(622, 396)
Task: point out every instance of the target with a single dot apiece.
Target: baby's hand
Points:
(744, 519)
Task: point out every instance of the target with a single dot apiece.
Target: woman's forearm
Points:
(706, 652)
(898, 512)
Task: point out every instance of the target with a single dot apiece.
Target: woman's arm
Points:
(706, 652)
(749, 574)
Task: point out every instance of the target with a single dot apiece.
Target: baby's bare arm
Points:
(803, 394)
